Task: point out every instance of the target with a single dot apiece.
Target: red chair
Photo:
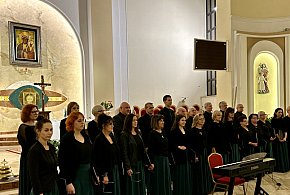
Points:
(221, 182)
(173, 107)
(143, 111)
(160, 107)
(156, 111)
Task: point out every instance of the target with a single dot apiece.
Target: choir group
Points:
(156, 154)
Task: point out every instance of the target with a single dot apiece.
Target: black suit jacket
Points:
(118, 121)
(169, 117)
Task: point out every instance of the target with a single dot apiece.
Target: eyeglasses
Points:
(36, 111)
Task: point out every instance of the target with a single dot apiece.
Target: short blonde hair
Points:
(195, 119)
(216, 113)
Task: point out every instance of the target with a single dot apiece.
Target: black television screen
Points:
(210, 55)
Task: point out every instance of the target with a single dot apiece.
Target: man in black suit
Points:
(238, 114)
(207, 115)
(168, 113)
(223, 106)
(145, 122)
(119, 119)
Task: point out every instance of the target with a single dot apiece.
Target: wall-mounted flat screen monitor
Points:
(210, 55)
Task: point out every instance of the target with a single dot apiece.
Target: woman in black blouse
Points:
(106, 156)
(71, 107)
(217, 137)
(257, 133)
(26, 137)
(232, 134)
(268, 133)
(160, 181)
(179, 146)
(280, 148)
(75, 152)
(248, 141)
(42, 161)
(286, 120)
(132, 154)
(202, 182)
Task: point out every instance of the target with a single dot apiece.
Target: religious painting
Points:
(24, 43)
(263, 73)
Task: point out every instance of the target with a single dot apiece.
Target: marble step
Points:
(7, 132)
(9, 185)
(8, 138)
(9, 143)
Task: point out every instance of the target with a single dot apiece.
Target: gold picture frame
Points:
(24, 42)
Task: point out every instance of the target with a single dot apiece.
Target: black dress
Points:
(233, 137)
(217, 138)
(181, 177)
(258, 137)
(247, 136)
(160, 181)
(268, 132)
(202, 181)
(280, 149)
(74, 160)
(42, 168)
(26, 138)
(286, 121)
(132, 155)
(106, 160)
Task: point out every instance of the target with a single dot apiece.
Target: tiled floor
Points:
(267, 183)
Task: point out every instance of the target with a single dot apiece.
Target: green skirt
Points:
(182, 179)
(269, 150)
(83, 182)
(136, 183)
(160, 181)
(54, 191)
(280, 150)
(235, 155)
(226, 158)
(24, 181)
(113, 187)
(202, 181)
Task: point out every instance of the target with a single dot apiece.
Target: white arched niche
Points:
(266, 52)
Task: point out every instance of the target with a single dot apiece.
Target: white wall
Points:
(160, 50)
(70, 8)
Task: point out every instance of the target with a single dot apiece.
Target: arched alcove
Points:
(265, 88)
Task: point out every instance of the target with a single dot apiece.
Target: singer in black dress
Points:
(106, 156)
(202, 181)
(42, 161)
(26, 138)
(160, 181)
(182, 154)
(280, 147)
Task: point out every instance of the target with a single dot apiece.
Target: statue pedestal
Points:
(44, 114)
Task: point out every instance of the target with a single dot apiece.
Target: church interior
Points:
(94, 51)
